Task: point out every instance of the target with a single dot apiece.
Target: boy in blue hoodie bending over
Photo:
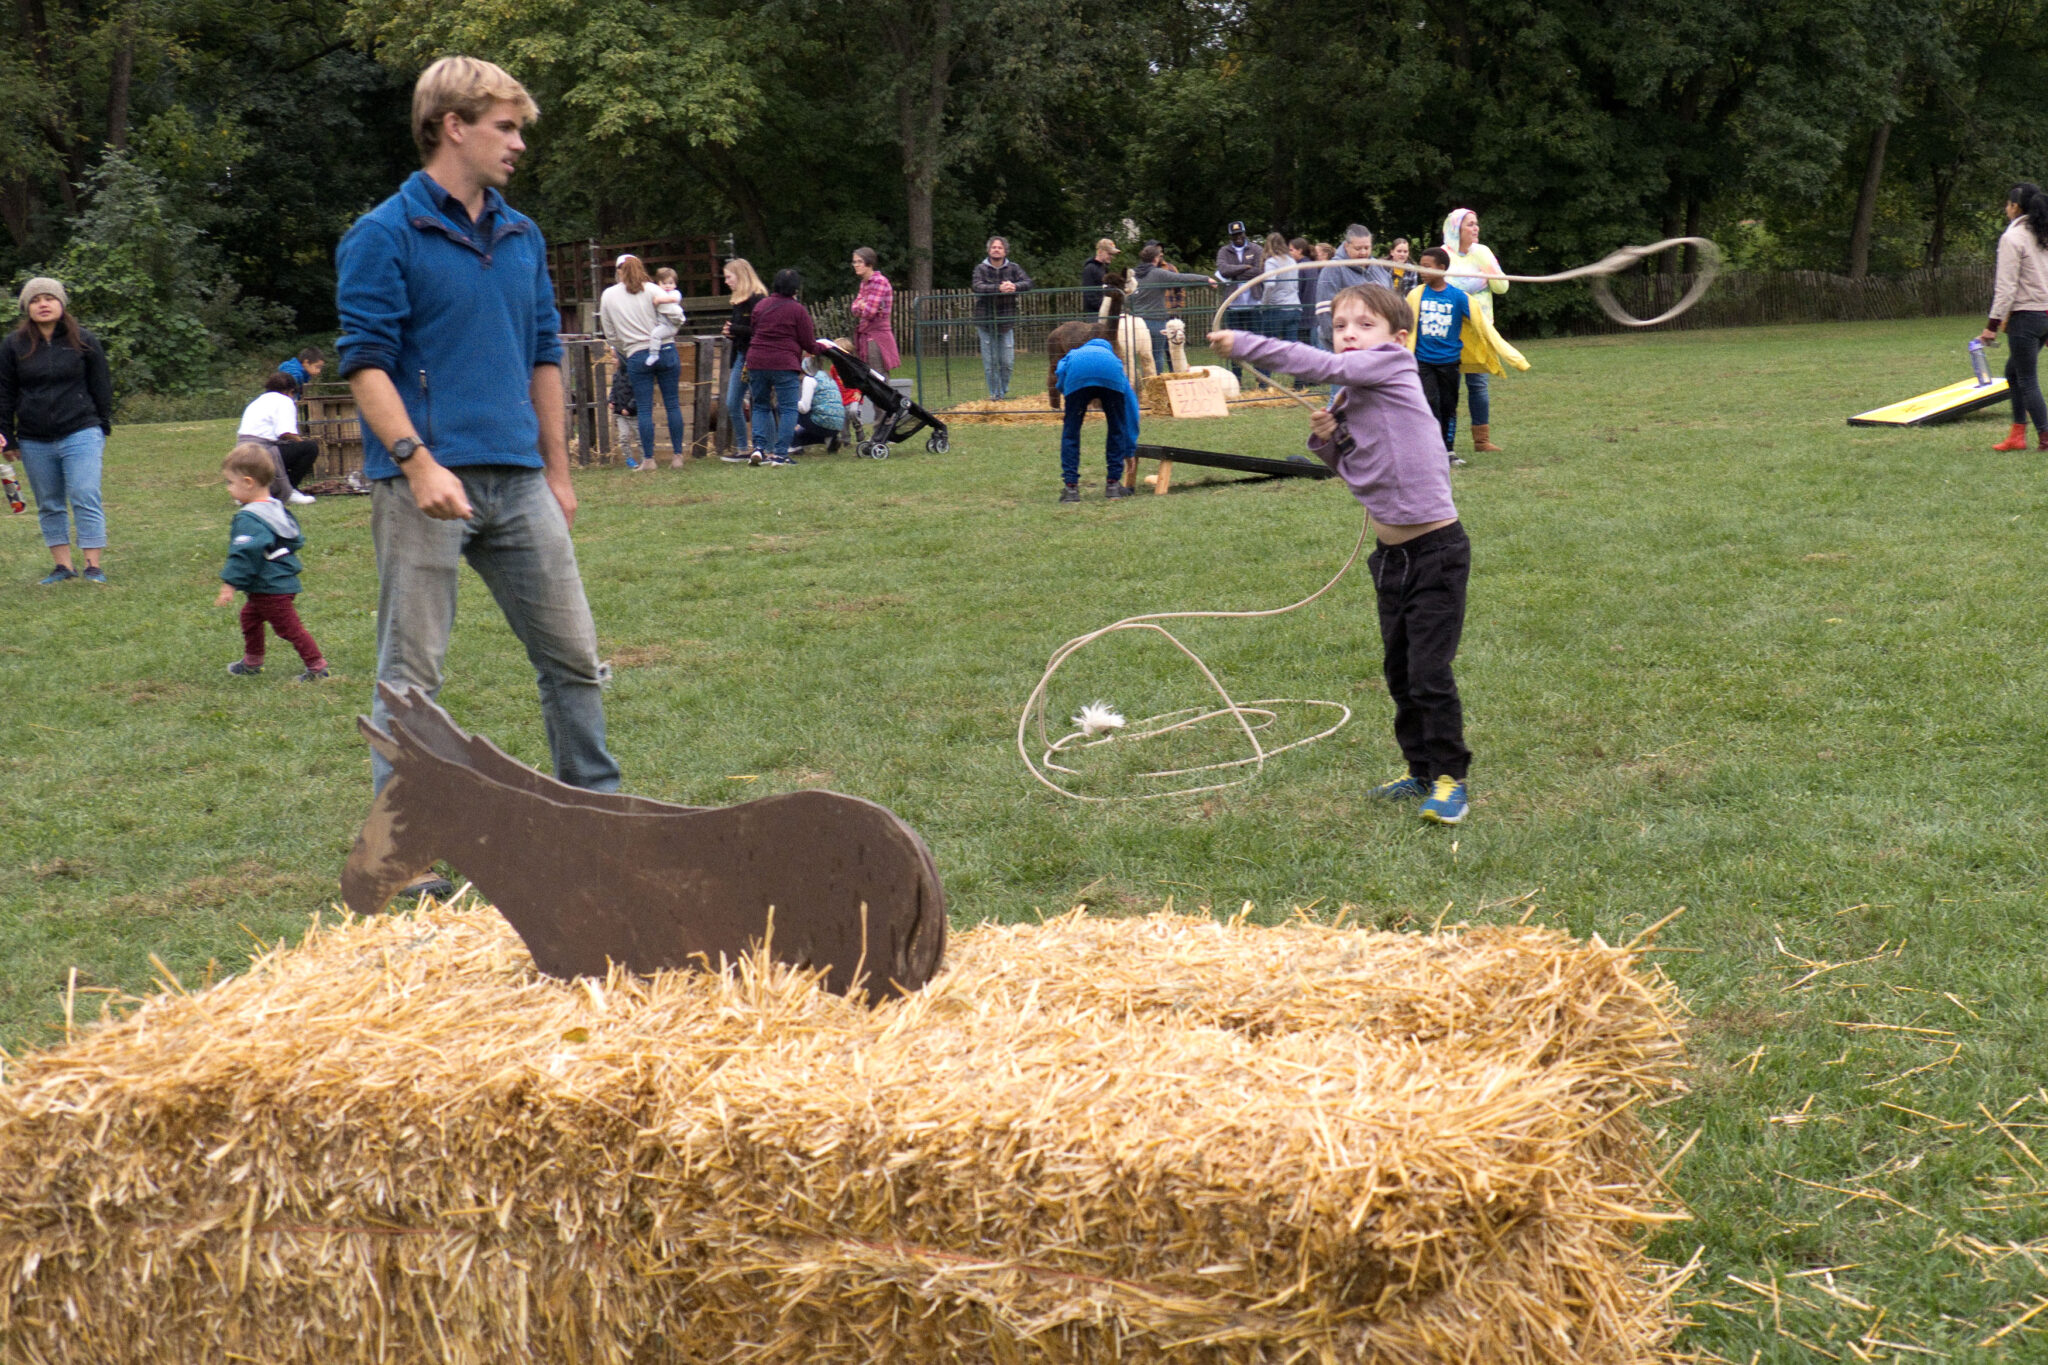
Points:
(263, 561)
(1091, 373)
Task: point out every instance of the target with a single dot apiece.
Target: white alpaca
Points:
(1133, 344)
(1176, 334)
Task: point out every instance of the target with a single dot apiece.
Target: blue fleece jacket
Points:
(1093, 365)
(458, 314)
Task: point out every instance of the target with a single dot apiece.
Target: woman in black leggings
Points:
(2019, 308)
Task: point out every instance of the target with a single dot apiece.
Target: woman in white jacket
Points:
(2019, 308)
(629, 313)
(1475, 270)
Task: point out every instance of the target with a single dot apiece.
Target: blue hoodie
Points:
(458, 314)
(1093, 365)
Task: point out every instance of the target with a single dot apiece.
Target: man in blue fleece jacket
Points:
(1091, 373)
(450, 344)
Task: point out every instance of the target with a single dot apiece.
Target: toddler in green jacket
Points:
(263, 561)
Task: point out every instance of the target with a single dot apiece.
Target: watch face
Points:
(402, 448)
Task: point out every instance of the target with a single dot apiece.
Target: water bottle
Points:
(1979, 364)
(11, 489)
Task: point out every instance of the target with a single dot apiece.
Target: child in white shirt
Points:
(665, 290)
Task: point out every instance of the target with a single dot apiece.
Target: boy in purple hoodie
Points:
(1381, 438)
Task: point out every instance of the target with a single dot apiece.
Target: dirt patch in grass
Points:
(642, 656)
(244, 881)
(880, 602)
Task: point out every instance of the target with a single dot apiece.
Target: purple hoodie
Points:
(1389, 447)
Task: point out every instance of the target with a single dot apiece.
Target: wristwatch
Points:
(403, 449)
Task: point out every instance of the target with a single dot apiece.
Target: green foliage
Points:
(150, 286)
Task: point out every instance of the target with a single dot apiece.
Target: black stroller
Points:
(896, 417)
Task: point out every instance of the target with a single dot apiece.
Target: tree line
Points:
(193, 162)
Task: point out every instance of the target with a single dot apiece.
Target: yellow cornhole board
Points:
(1941, 405)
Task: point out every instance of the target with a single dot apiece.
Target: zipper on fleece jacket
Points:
(427, 409)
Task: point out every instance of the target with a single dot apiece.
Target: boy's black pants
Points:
(1422, 613)
(1440, 384)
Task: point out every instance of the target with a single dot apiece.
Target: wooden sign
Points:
(1196, 398)
(593, 879)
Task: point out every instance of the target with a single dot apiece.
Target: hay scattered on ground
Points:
(1149, 1139)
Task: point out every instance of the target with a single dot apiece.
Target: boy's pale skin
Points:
(469, 159)
(1353, 327)
(244, 490)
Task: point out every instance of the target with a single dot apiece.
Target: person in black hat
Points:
(1237, 260)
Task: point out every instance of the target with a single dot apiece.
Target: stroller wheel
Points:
(876, 450)
(937, 443)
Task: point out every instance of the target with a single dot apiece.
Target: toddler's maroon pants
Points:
(277, 609)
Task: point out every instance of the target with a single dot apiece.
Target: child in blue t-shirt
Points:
(1441, 312)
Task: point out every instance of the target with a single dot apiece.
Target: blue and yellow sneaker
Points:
(1401, 789)
(1446, 804)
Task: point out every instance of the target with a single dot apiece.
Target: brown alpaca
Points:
(1069, 335)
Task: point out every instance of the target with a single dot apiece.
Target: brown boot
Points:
(1480, 445)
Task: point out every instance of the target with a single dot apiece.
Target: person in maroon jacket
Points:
(783, 336)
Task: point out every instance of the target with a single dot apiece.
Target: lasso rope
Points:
(1261, 711)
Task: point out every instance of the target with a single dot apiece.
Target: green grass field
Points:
(1724, 652)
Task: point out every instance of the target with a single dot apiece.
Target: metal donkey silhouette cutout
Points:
(589, 879)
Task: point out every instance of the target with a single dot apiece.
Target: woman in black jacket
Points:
(57, 407)
(747, 290)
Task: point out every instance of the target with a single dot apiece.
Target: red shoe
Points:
(2041, 437)
(2016, 439)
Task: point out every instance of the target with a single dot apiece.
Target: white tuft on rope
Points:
(1097, 717)
(1098, 724)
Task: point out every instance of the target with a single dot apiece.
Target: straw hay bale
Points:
(1150, 1139)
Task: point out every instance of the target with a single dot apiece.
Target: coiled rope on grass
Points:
(1253, 716)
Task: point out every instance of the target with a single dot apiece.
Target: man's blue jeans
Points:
(1121, 444)
(998, 356)
(64, 472)
(518, 543)
(787, 386)
(645, 378)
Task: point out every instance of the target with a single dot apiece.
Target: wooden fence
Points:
(328, 411)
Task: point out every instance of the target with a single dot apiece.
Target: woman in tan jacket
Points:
(2019, 308)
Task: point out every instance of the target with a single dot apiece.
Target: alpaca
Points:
(1069, 335)
(1177, 352)
(1133, 342)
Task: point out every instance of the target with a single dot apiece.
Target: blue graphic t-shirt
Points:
(1439, 339)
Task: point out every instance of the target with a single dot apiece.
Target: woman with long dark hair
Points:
(57, 407)
(2019, 308)
(783, 336)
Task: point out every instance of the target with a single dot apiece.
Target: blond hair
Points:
(250, 461)
(666, 276)
(1106, 244)
(749, 286)
(465, 87)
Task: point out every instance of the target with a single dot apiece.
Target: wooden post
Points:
(705, 371)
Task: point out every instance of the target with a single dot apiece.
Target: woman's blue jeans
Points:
(787, 389)
(645, 377)
(736, 404)
(1475, 390)
(67, 471)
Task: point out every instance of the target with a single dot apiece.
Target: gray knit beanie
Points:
(43, 284)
